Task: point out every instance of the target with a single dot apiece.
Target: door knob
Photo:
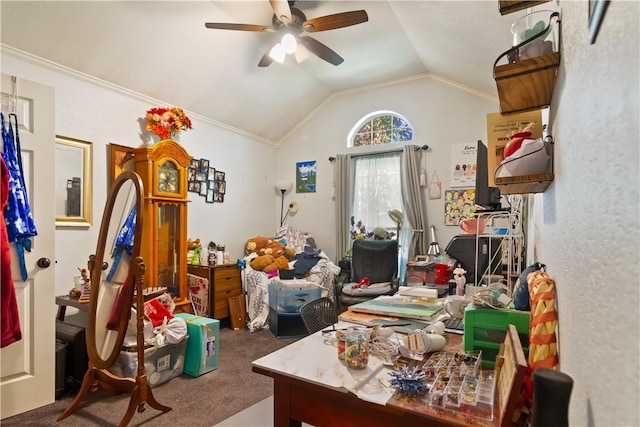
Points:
(44, 262)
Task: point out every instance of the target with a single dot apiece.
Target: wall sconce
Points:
(283, 187)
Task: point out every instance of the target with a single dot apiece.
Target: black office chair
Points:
(318, 314)
(376, 260)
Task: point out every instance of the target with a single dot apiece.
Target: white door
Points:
(28, 366)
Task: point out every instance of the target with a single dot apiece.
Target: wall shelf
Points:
(510, 6)
(527, 84)
(524, 184)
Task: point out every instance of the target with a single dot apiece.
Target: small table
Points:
(63, 301)
(311, 385)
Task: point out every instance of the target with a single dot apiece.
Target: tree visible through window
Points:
(381, 127)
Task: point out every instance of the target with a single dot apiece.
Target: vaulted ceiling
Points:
(162, 49)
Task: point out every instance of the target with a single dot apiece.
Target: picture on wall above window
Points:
(463, 164)
(459, 204)
(306, 177)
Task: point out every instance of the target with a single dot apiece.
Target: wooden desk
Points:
(311, 385)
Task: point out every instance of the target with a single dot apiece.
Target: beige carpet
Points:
(258, 415)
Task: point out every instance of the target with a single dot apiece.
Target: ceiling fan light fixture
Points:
(289, 43)
(277, 53)
(301, 54)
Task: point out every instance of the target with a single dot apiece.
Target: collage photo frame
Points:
(206, 181)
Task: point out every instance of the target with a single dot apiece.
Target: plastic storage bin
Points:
(485, 330)
(161, 363)
(287, 296)
(204, 344)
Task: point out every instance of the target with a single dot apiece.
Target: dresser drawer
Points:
(226, 272)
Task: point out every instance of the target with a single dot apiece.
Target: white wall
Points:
(441, 114)
(91, 111)
(587, 223)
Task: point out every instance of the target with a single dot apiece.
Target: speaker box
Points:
(61, 350)
(77, 361)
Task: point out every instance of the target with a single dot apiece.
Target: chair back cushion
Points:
(375, 259)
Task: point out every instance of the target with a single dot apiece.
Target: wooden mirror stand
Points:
(112, 295)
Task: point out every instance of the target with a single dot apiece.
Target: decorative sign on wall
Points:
(207, 181)
(306, 177)
(463, 165)
(459, 204)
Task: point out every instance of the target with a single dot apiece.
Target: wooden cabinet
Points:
(163, 169)
(224, 283)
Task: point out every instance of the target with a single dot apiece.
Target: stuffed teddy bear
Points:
(273, 248)
(268, 263)
(256, 244)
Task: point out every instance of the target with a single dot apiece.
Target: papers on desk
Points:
(399, 306)
(398, 324)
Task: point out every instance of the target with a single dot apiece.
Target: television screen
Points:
(486, 197)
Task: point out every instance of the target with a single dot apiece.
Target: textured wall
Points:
(586, 225)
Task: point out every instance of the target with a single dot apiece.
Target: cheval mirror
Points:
(112, 294)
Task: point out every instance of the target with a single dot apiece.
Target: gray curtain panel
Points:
(341, 182)
(413, 205)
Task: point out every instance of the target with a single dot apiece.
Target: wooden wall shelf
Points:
(528, 84)
(510, 6)
(524, 184)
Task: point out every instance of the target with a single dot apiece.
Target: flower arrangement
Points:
(167, 122)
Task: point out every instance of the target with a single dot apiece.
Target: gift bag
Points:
(435, 186)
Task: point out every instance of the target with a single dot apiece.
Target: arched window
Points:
(380, 127)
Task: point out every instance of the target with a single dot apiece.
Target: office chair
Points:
(318, 314)
(376, 260)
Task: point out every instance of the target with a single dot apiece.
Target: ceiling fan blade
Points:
(281, 9)
(321, 50)
(239, 27)
(338, 20)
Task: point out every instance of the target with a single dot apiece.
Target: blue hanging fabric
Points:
(124, 242)
(17, 214)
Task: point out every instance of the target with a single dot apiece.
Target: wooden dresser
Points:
(224, 283)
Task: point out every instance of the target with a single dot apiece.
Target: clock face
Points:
(168, 178)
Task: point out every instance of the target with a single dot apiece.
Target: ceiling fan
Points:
(292, 23)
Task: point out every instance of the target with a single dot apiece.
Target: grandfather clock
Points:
(163, 169)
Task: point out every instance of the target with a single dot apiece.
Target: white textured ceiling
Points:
(162, 49)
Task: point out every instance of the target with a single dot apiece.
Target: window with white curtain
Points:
(376, 183)
(376, 190)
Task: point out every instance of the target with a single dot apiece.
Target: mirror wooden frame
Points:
(74, 158)
(131, 289)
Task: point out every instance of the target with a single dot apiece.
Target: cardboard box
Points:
(204, 344)
(499, 129)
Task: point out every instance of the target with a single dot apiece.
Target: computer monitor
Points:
(463, 249)
(486, 197)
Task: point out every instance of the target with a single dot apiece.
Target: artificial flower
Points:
(167, 122)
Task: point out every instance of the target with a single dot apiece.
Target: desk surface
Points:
(311, 365)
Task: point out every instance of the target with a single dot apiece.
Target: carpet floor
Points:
(203, 401)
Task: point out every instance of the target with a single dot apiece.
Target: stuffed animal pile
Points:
(271, 254)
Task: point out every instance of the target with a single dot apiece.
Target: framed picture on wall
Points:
(221, 186)
(219, 175)
(194, 163)
(212, 174)
(209, 198)
(203, 188)
(459, 204)
(204, 166)
(120, 160)
(218, 197)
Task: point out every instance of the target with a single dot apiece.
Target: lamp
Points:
(434, 248)
(283, 187)
(397, 217)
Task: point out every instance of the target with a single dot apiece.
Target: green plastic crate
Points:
(485, 329)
